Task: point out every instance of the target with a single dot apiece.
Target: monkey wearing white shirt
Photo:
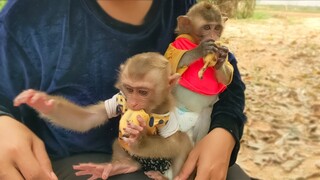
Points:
(145, 82)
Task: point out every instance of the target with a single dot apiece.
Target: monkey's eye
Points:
(143, 92)
(129, 90)
(206, 27)
(218, 28)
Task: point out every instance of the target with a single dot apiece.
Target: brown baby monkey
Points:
(147, 135)
(203, 65)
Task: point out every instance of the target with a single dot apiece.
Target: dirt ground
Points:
(279, 61)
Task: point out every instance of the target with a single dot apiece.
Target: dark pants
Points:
(64, 171)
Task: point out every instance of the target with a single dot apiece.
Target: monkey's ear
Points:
(173, 79)
(184, 24)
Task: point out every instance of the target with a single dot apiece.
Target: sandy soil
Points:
(279, 61)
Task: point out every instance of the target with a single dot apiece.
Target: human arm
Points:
(220, 147)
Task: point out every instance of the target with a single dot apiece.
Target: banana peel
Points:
(210, 60)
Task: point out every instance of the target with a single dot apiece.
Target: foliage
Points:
(235, 8)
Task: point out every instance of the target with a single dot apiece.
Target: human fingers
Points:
(42, 157)
(9, 173)
(29, 166)
(189, 166)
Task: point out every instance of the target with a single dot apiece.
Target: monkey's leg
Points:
(179, 160)
(122, 162)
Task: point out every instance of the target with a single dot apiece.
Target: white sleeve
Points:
(170, 128)
(111, 106)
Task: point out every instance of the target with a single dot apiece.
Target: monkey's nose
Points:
(133, 106)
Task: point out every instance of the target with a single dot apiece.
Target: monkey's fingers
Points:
(156, 175)
(133, 129)
(95, 170)
(23, 97)
(130, 141)
(210, 59)
(142, 122)
(41, 103)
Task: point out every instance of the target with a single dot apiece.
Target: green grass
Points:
(262, 12)
(259, 14)
(2, 3)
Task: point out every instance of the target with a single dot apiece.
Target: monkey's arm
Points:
(224, 73)
(182, 52)
(63, 112)
(189, 56)
(72, 116)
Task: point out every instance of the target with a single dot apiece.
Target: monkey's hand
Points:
(134, 132)
(221, 54)
(38, 100)
(214, 55)
(206, 47)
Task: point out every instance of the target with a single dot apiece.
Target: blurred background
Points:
(277, 45)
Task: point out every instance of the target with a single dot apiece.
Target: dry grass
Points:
(279, 61)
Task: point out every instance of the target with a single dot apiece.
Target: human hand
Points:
(210, 157)
(35, 99)
(24, 155)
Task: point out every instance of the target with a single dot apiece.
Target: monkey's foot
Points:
(104, 170)
(155, 175)
(123, 168)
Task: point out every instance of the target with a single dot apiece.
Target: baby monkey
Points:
(154, 144)
(203, 65)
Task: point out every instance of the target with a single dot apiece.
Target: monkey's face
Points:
(204, 30)
(139, 94)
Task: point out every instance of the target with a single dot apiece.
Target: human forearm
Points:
(228, 111)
